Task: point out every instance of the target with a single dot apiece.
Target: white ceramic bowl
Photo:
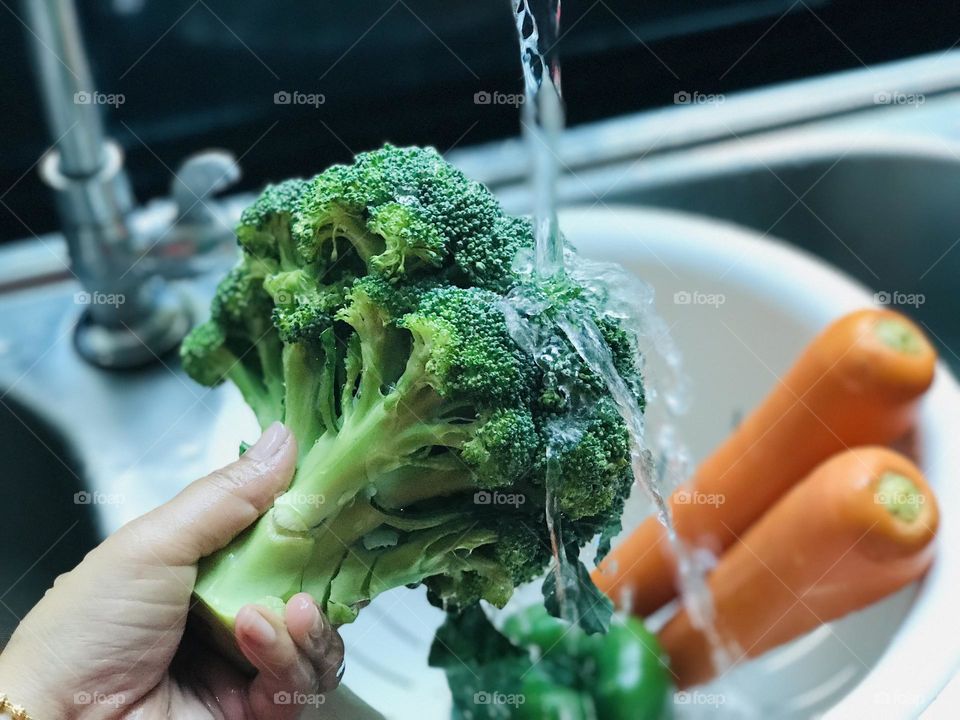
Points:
(888, 661)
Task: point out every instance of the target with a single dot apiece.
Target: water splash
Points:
(538, 24)
(542, 121)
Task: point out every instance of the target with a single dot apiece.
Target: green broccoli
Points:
(369, 314)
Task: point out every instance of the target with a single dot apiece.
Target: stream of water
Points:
(538, 24)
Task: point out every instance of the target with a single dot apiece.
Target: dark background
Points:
(204, 73)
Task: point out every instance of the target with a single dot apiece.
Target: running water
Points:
(542, 121)
(538, 23)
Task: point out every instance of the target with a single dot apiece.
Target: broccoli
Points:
(369, 314)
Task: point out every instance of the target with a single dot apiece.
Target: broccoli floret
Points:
(595, 463)
(369, 314)
(397, 210)
(240, 343)
(490, 264)
(264, 230)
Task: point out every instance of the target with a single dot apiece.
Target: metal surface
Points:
(202, 226)
(66, 85)
(134, 437)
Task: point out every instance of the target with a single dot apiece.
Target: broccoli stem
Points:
(380, 433)
(264, 565)
(433, 477)
(270, 352)
(316, 527)
(334, 470)
(265, 405)
(279, 229)
(341, 224)
(302, 390)
(355, 574)
(269, 563)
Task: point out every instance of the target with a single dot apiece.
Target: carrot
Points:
(857, 529)
(857, 383)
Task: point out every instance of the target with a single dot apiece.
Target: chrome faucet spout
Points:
(69, 95)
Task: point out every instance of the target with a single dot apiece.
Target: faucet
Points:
(132, 315)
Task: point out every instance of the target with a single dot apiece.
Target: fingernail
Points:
(318, 630)
(306, 603)
(273, 438)
(259, 630)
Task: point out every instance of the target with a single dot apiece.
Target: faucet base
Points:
(138, 343)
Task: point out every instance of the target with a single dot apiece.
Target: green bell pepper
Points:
(541, 668)
(622, 675)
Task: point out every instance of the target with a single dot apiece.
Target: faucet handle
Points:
(198, 179)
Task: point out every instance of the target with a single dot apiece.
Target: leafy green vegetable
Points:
(542, 668)
(569, 593)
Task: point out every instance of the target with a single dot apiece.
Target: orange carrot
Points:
(857, 529)
(857, 383)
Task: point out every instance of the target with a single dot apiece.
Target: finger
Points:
(285, 679)
(210, 512)
(317, 639)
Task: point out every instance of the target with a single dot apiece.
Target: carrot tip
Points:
(898, 335)
(900, 496)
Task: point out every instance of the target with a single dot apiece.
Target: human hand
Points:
(107, 641)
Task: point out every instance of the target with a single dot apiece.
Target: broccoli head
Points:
(370, 314)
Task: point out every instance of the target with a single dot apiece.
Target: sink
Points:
(48, 522)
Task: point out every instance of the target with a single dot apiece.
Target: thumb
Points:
(211, 511)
